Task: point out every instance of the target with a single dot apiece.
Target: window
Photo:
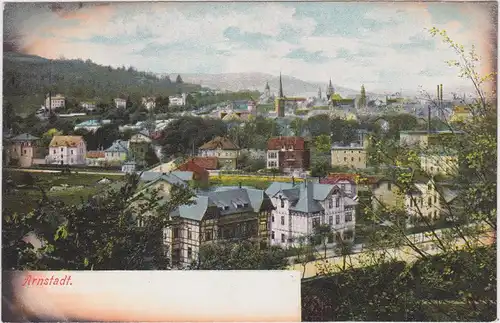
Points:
(190, 252)
(411, 202)
(208, 235)
(337, 219)
(352, 159)
(348, 217)
(62, 157)
(421, 202)
(272, 235)
(282, 220)
(176, 233)
(330, 220)
(342, 186)
(189, 234)
(429, 201)
(345, 158)
(429, 187)
(72, 151)
(282, 203)
(435, 214)
(435, 198)
(359, 158)
(330, 203)
(272, 218)
(25, 151)
(283, 238)
(62, 149)
(337, 202)
(315, 222)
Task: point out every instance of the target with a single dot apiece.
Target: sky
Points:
(385, 46)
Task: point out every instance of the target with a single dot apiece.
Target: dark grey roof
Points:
(153, 177)
(306, 202)
(119, 146)
(24, 137)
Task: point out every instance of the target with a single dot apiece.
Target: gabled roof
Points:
(220, 143)
(209, 163)
(119, 146)
(153, 177)
(140, 138)
(66, 141)
(276, 143)
(184, 175)
(95, 154)
(24, 137)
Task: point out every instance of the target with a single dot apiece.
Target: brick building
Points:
(288, 154)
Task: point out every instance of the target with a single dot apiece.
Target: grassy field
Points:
(24, 199)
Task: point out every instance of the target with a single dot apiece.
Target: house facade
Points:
(231, 214)
(353, 156)
(67, 150)
(117, 153)
(120, 103)
(89, 106)
(139, 145)
(445, 164)
(302, 207)
(95, 158)
(429, 200)
(386, 194)
(55, 102)
(288, 154)
(178, 101)
(21, 150)
(223, 149)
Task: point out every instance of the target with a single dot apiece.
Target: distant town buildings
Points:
(353, 155)
(149, 103)
(89, 106)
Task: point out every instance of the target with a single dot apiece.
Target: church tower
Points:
(319, 93)
(267, 91)
(330, 91)
(280, 101)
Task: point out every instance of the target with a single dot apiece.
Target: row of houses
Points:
(279, 215)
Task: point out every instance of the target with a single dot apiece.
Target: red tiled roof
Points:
(277, 143)
(192, 166)
(209, 163)
(337, 177)
(66, 141)
(95, 154)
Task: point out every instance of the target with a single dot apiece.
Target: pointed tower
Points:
(330, 91)
(267, 90)
(319, 93)
(279, 102)
(280, 95)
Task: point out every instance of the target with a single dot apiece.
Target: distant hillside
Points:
(257, 81)
(26, 78)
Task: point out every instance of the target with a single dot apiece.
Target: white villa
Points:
(55, 102)
(120, 103)
(67, 150)
(299, 208)
(178, 100)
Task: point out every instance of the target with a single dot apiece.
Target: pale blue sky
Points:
(382, 45)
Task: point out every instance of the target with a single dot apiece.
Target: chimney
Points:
(293, 180)
(239, 184)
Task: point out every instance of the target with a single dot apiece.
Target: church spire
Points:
(267, 86)
(281, 88)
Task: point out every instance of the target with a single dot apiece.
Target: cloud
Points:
(382, 45)
(309, 57)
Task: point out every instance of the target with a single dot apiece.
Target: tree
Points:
(454, 275)
(178, 80)
(151, 158)
(100, 233)
(321, 234)
(244, 255)
(362, 98)
(322, 143)
(162, 104)
(320, 169)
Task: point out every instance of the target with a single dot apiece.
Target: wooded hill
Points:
(27, 78)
